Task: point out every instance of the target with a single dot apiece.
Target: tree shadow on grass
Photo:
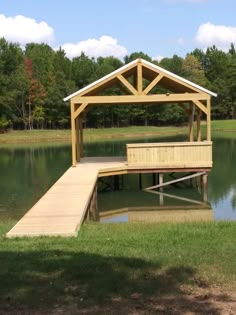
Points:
(85, 283)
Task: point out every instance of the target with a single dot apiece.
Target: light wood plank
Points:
(77, 127)
(170, 155)
(199, 135)
(62, 209)
(73, 134)
(191, 118)
(79, 110)
(201, 106)
(153, 83)
(208, 120)
(136, 99)
(139, 78)
(127, 84)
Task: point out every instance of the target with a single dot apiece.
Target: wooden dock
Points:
(60, 212)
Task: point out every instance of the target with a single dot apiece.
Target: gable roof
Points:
(152, 67)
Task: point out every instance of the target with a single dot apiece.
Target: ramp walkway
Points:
(60, 212)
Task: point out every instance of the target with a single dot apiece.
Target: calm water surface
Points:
(26, 173)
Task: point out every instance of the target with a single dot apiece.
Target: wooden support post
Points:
(191, 117)
(139, 78)
(154, 179)
(92, 208)
(73, 134)
(161, 199)
(161, 178)
(199, 136)
(140, 181)
(77, 122)
(208, 120)
(81, 137)
(116, 185)
(204, 187)
(122, 182)
(96, 203)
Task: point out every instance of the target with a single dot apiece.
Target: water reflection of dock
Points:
(159, 214)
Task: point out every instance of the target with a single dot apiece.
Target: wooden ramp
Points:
(60, 212)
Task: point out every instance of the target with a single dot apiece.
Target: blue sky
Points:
(159, 28)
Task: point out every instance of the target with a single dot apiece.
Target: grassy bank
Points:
(34, 136)
(122, 264)
(89, 134)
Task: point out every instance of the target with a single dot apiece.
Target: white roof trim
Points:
(179, 78)
(100, 80)
(147, 63)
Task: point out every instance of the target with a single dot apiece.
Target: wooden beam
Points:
(153, 83)
(176, 197)
(191, 118)
(175, 181)
(73, 134)
(106, 80)
(204, 187)
(201, 106)
(199, 136)
(161, 180)
(208, 120)
(79, 110)
(177, 80)
(81, 137)
(135, 99)
(127, 84)
(139, 78)
(77, 127)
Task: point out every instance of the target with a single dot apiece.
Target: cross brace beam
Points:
(175, 180)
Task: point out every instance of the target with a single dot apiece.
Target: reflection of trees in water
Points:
(27, 173)
(233, 200)
(222, 178)
(117, 147)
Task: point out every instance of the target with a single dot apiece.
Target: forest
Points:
(34, 81)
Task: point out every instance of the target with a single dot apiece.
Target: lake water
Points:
(27, 172)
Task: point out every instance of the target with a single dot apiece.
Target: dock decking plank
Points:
(62, 209)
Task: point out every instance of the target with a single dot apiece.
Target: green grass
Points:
(115, 260)
(32, 136)
(36, 136)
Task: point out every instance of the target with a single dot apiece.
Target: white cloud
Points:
(158, 58)
(221, 36)
(24, 30)
(104, 46)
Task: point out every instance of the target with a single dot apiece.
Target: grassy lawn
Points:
(120, 264)
(109, 133)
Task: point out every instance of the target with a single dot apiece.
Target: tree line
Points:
(34, 81)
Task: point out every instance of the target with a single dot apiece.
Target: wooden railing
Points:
(170, 155)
